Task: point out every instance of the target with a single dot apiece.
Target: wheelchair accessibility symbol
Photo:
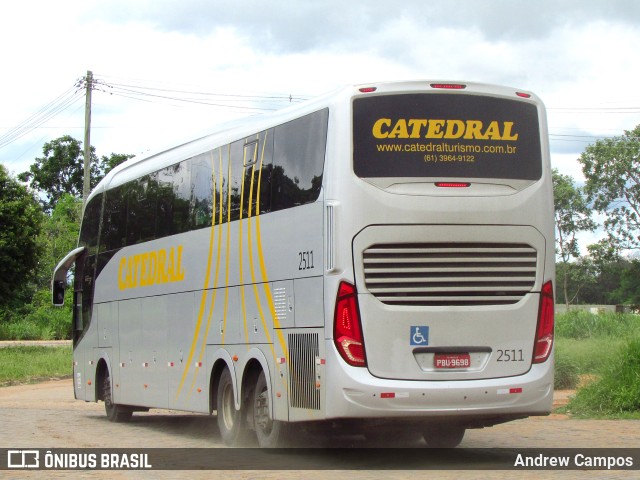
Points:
(419, 335)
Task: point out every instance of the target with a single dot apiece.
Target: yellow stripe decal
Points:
(240, 253)
(217, 227)
(226, 291)
(263, 271)
(253, 274)
(203, 303)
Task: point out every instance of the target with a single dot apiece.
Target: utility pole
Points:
(86, 188)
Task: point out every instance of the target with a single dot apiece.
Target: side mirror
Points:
(59, 280)
(58, 292)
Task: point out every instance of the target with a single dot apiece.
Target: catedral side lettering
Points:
(450, 129)
(151, 268)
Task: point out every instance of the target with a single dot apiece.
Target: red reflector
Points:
(449, 86)
(388, 395)
(544, 332)
(368, 89)
(453, 184)
(523, 95)
(515, 390)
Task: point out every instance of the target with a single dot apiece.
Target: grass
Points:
(606, 350)
(581, 325)
(30, 364)
(616, 391)
(587, 355)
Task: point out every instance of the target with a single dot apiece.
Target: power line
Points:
(144, 84)
(61, 103)
(140, 92)
(287, 97)
(256, 103)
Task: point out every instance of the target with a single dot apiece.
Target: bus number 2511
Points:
(306, 260)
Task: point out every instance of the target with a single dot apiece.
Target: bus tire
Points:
(271, 433)
(231, 422)
(115, 412)
(444, 436)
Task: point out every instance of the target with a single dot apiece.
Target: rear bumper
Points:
(361, 395)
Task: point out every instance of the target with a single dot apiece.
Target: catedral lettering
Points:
(151, 268)
(449, 129)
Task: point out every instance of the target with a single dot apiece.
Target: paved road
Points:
(45, 415)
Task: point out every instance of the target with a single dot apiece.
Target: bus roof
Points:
(235, 130)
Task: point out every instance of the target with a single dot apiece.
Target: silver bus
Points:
(379, 260)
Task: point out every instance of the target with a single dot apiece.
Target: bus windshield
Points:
(446, 135)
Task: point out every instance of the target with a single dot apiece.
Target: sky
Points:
(229, 59)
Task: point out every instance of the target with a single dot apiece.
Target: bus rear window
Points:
(446, 135)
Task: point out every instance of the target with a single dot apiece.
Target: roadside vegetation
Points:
(38, 319)
(33, 364)
(600, 356)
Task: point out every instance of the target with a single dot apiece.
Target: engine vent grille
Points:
(303, 352)
(443, 274)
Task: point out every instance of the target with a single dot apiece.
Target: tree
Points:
(21, 219)
(112, 161)
(59, 236)
(572, 215)
(612, 169)
(61, 170)
(578, 280)
(629, 290)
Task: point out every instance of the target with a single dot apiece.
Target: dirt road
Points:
(45, 415)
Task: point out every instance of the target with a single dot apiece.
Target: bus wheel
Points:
(444, 436)
(115, 412)
(271, 433)
(231, 422)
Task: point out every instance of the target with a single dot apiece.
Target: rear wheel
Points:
(231, 422)
(444, 436)
(115, 412)
(271, 433)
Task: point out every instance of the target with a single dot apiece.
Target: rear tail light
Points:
(453, 184)
(544, 332)
(449, 86)
(347, 329)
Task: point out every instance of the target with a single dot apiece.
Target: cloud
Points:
(280, 26)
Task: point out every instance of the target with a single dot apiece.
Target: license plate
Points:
(452, 360)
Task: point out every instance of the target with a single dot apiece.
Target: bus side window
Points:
(86, 265)
(182, 197)
(235, 179)
(264, 169)
(164, 205)
(202, 183)
(258, 155)
(114, 220)
(141, 209)
(298, 160)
